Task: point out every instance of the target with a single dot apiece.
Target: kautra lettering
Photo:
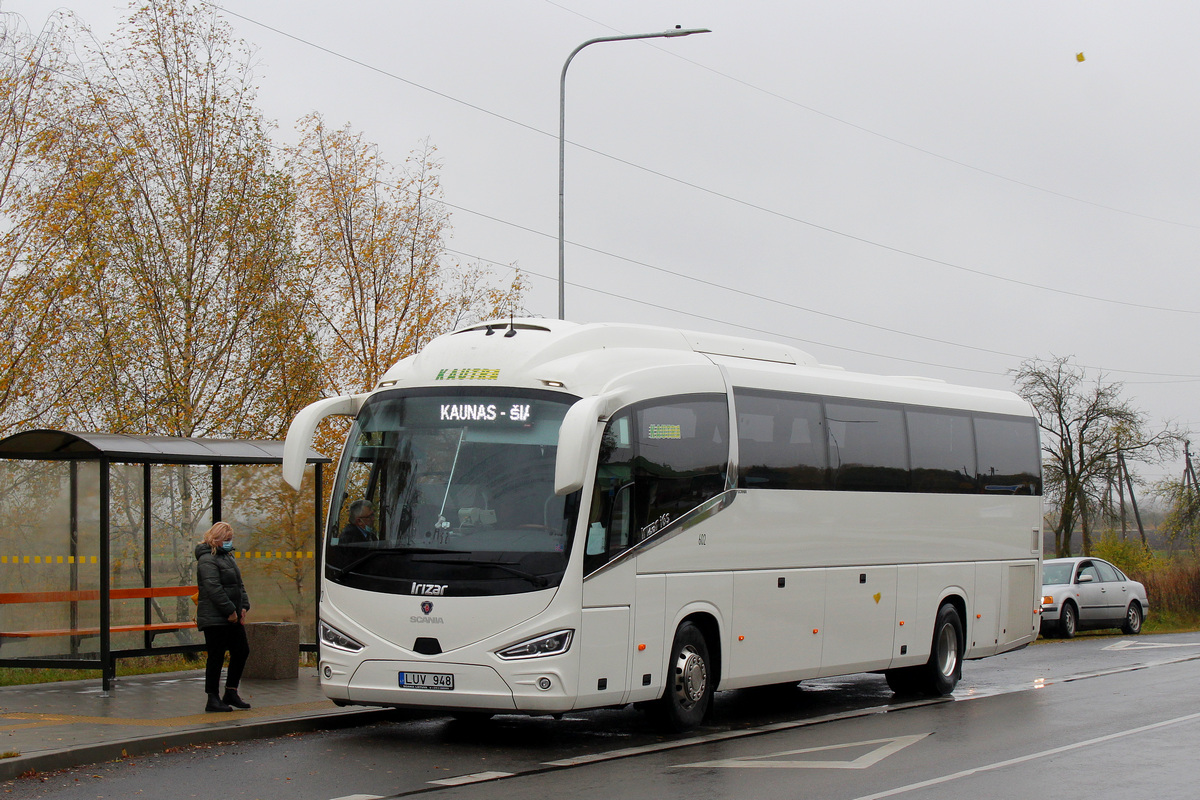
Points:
(468, 374)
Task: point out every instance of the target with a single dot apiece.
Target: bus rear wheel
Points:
(940, 674)
(689, 690)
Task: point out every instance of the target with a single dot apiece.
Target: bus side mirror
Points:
(576, 437)
(300, 432)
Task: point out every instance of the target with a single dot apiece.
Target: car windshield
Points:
(453, 489)
(1053, 574)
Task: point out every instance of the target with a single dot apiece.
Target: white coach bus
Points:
(538, 517)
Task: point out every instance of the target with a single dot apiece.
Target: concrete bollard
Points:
(274, 650)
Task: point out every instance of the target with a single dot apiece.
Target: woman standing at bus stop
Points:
(220, 613)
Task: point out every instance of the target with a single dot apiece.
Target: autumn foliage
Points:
(167, 269)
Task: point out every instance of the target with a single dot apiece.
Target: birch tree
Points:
(32, 290)
(182, 266)
(371, 237)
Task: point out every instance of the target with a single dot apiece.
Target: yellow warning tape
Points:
(290, 555)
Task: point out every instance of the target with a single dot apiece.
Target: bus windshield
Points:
(451, 492)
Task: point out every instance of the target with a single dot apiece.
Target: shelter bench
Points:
(85, 595)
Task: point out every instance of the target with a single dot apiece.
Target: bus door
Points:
(608, 593)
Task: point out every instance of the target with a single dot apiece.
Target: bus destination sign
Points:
(517, 413)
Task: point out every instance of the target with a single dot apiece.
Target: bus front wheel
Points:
(689, 681)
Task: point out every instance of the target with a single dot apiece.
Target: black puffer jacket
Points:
(221, 589)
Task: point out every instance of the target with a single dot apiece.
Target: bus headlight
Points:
(548, 644)
(335, 638)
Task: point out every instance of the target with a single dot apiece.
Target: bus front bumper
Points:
(532, 686)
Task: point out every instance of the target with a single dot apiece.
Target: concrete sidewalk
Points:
(57, 725)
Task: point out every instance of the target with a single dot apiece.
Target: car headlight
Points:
(335, 638)
(549, 644)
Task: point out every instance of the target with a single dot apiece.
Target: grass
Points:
(149, 665)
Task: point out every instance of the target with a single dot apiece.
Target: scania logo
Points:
(426, 607)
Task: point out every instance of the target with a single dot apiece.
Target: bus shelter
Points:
(97, 539)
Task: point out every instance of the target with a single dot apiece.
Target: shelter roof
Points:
(51, 445)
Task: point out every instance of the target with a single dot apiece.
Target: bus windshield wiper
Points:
(364, 558)
(539, 581)
(383, 551)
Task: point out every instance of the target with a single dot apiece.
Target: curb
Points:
(68, 757)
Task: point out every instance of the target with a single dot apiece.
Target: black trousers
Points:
(219, 641)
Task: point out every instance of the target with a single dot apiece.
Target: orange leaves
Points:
(162, 273)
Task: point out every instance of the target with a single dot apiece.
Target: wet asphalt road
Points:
(1099, 716)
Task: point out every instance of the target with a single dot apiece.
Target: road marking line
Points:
(718, 736)
(886, 748)
(1126, 644)
(478, 777)
(1025, 759)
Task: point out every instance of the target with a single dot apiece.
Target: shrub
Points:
(1173, 587)
(1132, 556)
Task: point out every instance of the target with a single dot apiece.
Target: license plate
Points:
(427, 680)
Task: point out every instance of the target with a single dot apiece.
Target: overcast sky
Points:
(934, 188)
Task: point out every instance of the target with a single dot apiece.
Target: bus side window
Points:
(942, 448)
(868, 446)
(609, 523)
(781, 441)
(681, 450)
(657, 462)
(1009, 458)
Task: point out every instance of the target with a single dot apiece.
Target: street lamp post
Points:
(562, 128)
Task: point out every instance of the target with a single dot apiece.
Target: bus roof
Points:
(586, 359)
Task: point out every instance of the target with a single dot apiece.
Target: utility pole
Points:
(1123, 474)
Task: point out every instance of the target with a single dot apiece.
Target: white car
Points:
(1082, 593)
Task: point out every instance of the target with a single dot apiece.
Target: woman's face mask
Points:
(227, 545)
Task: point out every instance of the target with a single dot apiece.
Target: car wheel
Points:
(1068, 621)
(689, 681)
(1133, 620)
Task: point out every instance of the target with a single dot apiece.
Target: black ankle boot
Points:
(216, 704)
(231, 697)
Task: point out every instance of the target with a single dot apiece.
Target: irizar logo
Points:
(434, 589)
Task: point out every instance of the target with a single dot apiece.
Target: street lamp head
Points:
(678, 31)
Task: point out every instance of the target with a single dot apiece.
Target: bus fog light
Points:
(328, 672)
(544, 684)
